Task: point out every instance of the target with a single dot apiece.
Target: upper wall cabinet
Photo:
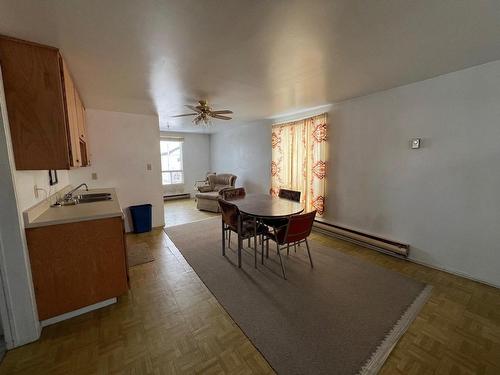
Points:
(46, 114)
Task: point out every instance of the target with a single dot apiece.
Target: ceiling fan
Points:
(203, 113)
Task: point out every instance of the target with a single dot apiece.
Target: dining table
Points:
(264, 206)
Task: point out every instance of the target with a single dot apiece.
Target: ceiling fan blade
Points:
(193, 108)
(220, 117)
(186, 114)
(222, 112)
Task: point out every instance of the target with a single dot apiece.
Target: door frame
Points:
(18, 312)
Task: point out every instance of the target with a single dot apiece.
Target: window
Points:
(171, 161)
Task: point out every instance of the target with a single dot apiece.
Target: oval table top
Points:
(266, 206)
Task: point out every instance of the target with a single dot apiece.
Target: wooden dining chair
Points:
(291, 195)
(233, 221)
(296, 231)
(232, 193)
(228, 194)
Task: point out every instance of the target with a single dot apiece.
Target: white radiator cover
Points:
(365, 239)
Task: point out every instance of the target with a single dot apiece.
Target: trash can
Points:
(141, 218)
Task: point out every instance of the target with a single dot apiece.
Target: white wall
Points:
(442, 199)
(245, 151)
(196, 161)
(121, 146)
(26, 180)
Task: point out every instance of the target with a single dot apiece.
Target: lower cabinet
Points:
(77, 264)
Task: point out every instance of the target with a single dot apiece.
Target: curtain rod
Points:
(299, 119)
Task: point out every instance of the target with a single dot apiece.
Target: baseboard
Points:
(358, 236)
(410, 259)
(453, 272)
(83, 310)
(360, 243)
(171, 197)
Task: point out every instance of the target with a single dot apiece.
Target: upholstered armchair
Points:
(207, 194)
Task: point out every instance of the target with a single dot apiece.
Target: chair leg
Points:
(255, 252)
(287, 249)
(223, 240)
(309, 253)
(261, 238)
(295, 246)
(281, 261)
(267, 248)
(240, 243)
(229, 240)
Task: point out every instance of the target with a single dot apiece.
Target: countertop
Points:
(78, 212)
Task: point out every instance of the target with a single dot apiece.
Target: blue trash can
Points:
(142, 218)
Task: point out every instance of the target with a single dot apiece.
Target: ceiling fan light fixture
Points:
(203, 113)
(202, 119)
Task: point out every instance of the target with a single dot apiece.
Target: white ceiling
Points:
(259, 58)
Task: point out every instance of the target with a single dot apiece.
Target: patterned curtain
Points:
(299, 160)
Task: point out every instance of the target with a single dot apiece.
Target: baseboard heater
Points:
(365, 239)
(171, 197)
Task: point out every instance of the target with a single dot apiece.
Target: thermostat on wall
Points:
(415, 143)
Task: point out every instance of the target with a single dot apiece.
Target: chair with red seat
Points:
(291, 195)
(295, 231)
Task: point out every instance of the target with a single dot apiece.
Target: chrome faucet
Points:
(69, 194)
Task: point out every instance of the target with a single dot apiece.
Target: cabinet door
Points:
(35, 104)
(82, 130)
(72, 117)
(77, 264)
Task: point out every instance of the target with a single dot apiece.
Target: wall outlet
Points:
(94, 176)
(415, 143)
(148, 166)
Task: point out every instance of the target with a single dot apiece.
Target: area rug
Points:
(344, 316)
(138, 253)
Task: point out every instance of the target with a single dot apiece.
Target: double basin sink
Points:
(85, 198)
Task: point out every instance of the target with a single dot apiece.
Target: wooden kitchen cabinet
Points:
(77, 264)
(71, 117)
(75, 117)
(46, 114)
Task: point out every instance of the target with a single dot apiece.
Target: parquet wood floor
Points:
(181, 211)
(169, 323)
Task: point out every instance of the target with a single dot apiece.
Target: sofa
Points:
(206, 198)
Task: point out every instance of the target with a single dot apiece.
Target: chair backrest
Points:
(230, 193)
(291, 195)
(230, 213)
(299, 227)
(224, 179)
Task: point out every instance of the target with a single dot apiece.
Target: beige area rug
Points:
(139, 253)
(342, 317)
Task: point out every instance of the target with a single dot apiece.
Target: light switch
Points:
(148, 166)
(415, 143)
(94, 176)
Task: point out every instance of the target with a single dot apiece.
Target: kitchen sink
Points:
(92, 195)
(84, 198)
(88, 198)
